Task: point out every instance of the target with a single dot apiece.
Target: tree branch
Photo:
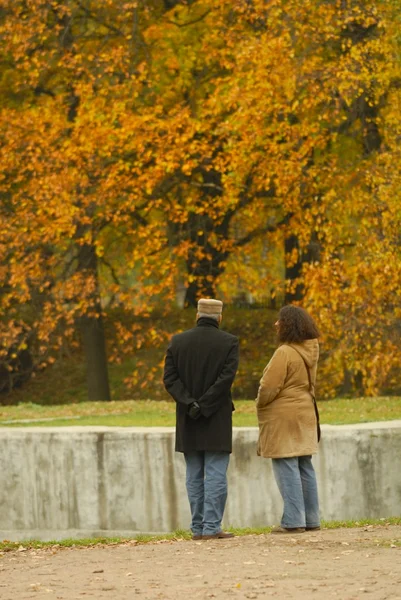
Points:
(197, 20)
(258, 231)
(112, 270)
(91, 15)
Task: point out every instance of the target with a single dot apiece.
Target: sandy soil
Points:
(346, 564)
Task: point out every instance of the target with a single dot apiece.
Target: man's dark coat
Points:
(200, 365)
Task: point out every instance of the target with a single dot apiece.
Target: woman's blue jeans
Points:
(207, 489)
(296, 481)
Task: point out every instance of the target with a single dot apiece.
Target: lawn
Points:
(8, 546)
(148, 413)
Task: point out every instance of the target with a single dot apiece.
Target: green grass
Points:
(7, 546)
(361, 523)
(148, 413)
(344, 411)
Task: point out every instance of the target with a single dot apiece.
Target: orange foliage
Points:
(144, 148)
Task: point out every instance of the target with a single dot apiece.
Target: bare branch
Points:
(259, 231)
(197, 20)
(112, 270)
(206, 185)
(91, 15)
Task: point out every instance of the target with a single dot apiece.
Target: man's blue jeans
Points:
(296, 481)
(207, 490)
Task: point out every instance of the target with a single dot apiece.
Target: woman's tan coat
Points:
(287, 421)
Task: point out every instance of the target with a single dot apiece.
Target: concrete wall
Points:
(93, 481)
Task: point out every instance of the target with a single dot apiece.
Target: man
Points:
(199, 370)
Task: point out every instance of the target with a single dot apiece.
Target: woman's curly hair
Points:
(295, 325)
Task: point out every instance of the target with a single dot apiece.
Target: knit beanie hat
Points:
(208, 306)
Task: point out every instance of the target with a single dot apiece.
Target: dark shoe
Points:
(197, 536)
(313, 528)
(221, 535)
(288, 530)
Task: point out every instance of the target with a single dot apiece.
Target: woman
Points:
(287, 418)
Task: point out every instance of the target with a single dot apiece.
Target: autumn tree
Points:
(356, 286)
(230, 167)
(290, 106)
(212, 143)
(77, 143)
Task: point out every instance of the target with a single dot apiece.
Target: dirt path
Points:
(346, 564)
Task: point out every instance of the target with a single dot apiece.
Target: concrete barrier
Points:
(70, 482)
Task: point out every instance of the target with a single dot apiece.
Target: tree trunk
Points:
(92, 332)
(199, 287)
(293, 272)
(94, 346)
(204, 274)
(294, 292)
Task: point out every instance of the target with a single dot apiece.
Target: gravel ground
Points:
(347, 564)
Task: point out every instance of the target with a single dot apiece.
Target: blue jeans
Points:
(296, 481)
(207, 489)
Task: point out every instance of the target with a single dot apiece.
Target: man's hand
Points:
(194, 411)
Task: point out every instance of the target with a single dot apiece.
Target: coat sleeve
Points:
(172, 382)
(212, 399)
(273, 379)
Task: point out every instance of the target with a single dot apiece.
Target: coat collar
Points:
(207, 322)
